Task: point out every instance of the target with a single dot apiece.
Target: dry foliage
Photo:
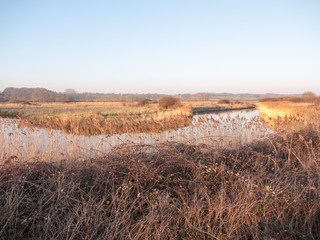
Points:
(169, 102)
(142, 102)
(98, 124)
(224, 101)
(266, 190)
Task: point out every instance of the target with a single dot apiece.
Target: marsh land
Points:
(239, 175)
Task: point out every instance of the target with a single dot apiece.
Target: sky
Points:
(167, 46)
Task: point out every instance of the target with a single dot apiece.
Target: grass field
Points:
(266, 190)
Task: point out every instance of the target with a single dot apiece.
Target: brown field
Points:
(266, 190)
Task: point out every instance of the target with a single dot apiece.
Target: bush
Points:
(169, 102)
(224, 101)
(309, 96)
(142, 103)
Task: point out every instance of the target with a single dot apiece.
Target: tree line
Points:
(12, 94)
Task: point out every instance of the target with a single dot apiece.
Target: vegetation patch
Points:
(268, 190)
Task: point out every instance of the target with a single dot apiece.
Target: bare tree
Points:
(70, 91)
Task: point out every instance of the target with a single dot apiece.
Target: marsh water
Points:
(223, 130)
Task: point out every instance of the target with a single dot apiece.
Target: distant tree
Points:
(309, 96)
(70, 91)
(29, 94)
(169, 102)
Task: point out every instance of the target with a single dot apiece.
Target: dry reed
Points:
(266, 190)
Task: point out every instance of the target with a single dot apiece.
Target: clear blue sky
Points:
(161, 46)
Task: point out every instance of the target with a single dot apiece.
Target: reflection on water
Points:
(215, 130)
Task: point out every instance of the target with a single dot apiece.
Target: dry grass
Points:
(288, 116)
(100, 125)
(266, 190)
(104, 108)
(283, 109)
(269, 190)
(60, 109)
(93, 118)
(28, 143)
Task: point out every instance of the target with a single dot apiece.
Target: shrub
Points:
(309, 97)
(169, 102)
(142, 103)
(224, 101)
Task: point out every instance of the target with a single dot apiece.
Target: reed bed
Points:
(288, 116)
(216, 131)
(90, 108)
(96, 118)
(98, 124)
(268, 188)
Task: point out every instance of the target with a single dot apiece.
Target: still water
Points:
(224, 130)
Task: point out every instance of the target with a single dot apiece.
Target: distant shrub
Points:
(309, 97)
(224, 101)
(169, 102)
(143, 102)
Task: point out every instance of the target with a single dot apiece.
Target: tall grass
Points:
(98, 124)
(28, 143)
(178, 192)
(268, 189)
(286, 116)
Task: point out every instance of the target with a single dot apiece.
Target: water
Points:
(224, 130)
